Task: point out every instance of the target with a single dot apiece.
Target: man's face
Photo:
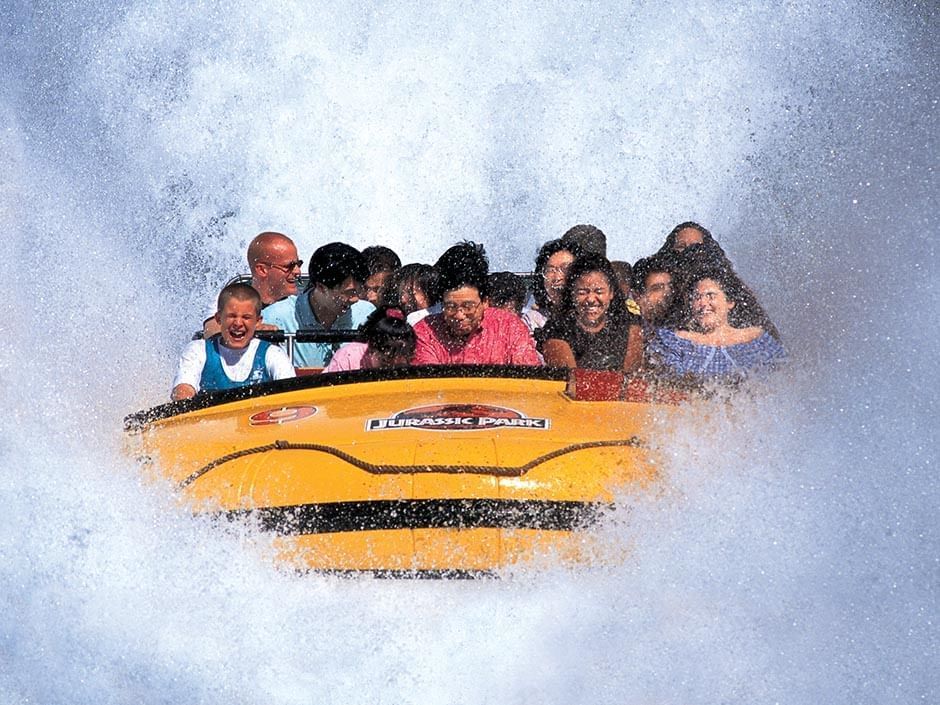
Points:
(374, 286)
(279, 269)
(656, 297)
(339, 298)
(463, 311)
(687, 237)
(238, 320)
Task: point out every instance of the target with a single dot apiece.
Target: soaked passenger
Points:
(587, 238)
(652, 286)
(330, 302)
(381, 262)
(274, 267)
(685, 235)
(508, 291)
(551, 271)
(594, 328)
(468, 330)
(387, 341)
(233, 357)
(717, 339)
(407, 290)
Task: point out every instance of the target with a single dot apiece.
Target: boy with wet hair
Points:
(233, 357)
(467, 330)
(330, 302)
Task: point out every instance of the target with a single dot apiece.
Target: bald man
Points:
(274, 267)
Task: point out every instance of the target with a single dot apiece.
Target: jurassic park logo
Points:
(457, 417)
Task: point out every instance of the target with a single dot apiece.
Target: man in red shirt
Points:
(468, 331)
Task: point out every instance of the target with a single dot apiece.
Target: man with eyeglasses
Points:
(274, 267)
(467, 330)
(330, 302)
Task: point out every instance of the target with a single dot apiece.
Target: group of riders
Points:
(682, 311)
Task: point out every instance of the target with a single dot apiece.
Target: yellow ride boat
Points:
(418, 471)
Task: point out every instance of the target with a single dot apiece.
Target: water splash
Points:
(791, 553)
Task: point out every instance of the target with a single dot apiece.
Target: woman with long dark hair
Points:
(593, 328)
(717, 337)
(551, 271)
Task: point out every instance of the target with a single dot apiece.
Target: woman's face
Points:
(412, 297)
(710, 305)
(555, 274)
(687, 237)
(592, 296)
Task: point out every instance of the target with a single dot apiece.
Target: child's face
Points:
(238, 320)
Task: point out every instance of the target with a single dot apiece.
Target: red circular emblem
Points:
(284, 414)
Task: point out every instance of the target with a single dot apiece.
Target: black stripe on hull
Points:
(378, 515)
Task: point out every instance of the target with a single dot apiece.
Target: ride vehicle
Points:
(433, 470)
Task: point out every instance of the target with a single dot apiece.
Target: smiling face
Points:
(275, 272)
(591, 295)
(656, 296)
(238, 320)
(710, 306)
(555, 274)
(463, 311)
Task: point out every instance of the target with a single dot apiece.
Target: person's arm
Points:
(633, 359)
(558, 353)
(189, 370)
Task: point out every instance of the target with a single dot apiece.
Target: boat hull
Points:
(434, 472)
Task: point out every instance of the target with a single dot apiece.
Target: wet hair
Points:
(746, 312)
(586, 264)
(550, 248)
(380, 259)
(588, 237)
(239, 292)
(707, 238)
(420, 275)
(387, 331)
(334, 263)
(650, 265)
(507, 288)
(464, 264)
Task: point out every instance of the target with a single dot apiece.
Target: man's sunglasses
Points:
(287, 267)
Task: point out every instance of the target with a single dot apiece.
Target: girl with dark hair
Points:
(593, 329)
(387, 341)
(551, 270)
(718, 338)
(408, 289)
